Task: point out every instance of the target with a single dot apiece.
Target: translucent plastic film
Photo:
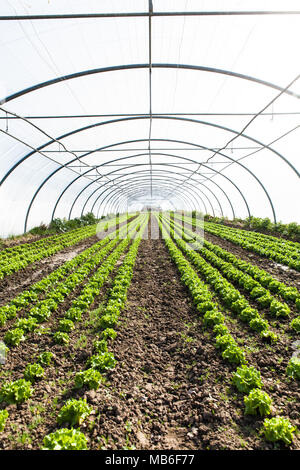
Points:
(112, 104)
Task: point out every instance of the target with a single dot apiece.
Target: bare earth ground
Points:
(170, 388)
(170, 383)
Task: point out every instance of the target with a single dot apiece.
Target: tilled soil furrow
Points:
(170, 388)
(155, 388)
(148, 379)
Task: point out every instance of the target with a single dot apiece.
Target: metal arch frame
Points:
(183, 158)
(142, 190)
(116, 204)
(129, 67)
(173, 165)
(115, 121)
(138, 66)
(132, 156)
(111, 192)
(116, 68)
(117, 207)
(147, 117)
(113, 198)
(144, 14)
(141, 179)
(162, 171)
(120, 205)
(108, 182)
(138, 178)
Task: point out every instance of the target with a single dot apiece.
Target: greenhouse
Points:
(149, 225)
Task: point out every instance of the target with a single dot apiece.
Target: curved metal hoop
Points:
(141, 66)
(194, 161)
(121, 204)
(183, 158)
(194, 185)
(128, 157)
(166, 165)
(115, 121)
(146, 117)
(137, 179)
(141, 180)
(117, 68)
(142, 189)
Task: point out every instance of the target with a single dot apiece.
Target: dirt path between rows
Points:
(169, 389)
(150, 371)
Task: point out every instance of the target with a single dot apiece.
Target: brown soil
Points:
(170, 388)
(170, 383)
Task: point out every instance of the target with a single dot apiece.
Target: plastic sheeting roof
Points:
(114, 104)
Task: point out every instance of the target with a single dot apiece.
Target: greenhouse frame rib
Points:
(171, 176)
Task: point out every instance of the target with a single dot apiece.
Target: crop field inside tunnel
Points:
(149, 225)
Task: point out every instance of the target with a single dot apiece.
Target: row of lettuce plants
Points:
(43, 309)
(19, 257)
(75, 411)
(250, 278)
(247, 379)
(279, 250)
